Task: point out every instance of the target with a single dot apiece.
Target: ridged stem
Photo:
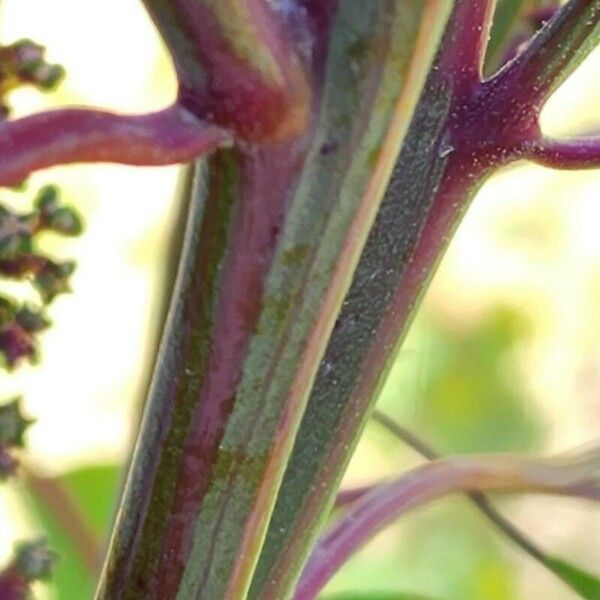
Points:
(464, 128)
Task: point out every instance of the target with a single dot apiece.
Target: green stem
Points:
(271, 245)
(463, 129)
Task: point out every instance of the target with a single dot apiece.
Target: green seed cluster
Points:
(23, 63)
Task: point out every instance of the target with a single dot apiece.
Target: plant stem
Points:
(577, 477)
(577, 153)
(480, 500)
(237, 64)
(552, 54)
(409, 438)
(463, 129)
(68, 136)
(462, 60)
(270, 248)
(171, 468)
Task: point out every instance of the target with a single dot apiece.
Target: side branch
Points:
(239, 61)
(80, 135)
(465, 43)
(553, 53)
(481, 501)
(576, 153)
(574, 476)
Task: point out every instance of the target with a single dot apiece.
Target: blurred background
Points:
(503, 356)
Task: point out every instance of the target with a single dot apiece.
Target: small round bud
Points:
(34, 560)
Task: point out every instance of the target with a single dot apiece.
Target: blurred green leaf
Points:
(472, 396)
(95, 490)
(512, 24)
(585, 584)
(505, 18)
(376, 596)
(92, 490)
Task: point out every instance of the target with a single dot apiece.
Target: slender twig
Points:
(577, 476)
(409, 438)
(480, 500)
(552, 53)
(173, 135)
(576, 153)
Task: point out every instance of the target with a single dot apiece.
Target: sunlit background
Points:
(504, 355)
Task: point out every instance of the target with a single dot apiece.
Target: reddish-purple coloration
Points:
(8, 466)
(13, 586)
(490, 123)
(380, 505)
(79, 135)
(219, 85)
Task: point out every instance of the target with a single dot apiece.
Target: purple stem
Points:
(374, 510)
(262, 95)
(466, 43)
(170, 136)
(576, 153)
(550, 56)
(351, 495)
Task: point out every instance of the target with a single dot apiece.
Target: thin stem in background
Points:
(480, 500)
(577, 476)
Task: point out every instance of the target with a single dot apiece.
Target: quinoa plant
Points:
(334, 146)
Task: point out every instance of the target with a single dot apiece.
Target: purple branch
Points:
(238, 61)
(170, 136)
(576, 476)
(576, 153)
(465, 44)
(552, 54)
(496, 121)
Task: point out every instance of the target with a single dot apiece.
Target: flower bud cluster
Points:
(20, 259)
(22, 63)
(12, 429)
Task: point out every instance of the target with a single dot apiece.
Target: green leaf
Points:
(95, 490)
(582, 582)
(506, 16)
(376, 596)
(92, 490)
